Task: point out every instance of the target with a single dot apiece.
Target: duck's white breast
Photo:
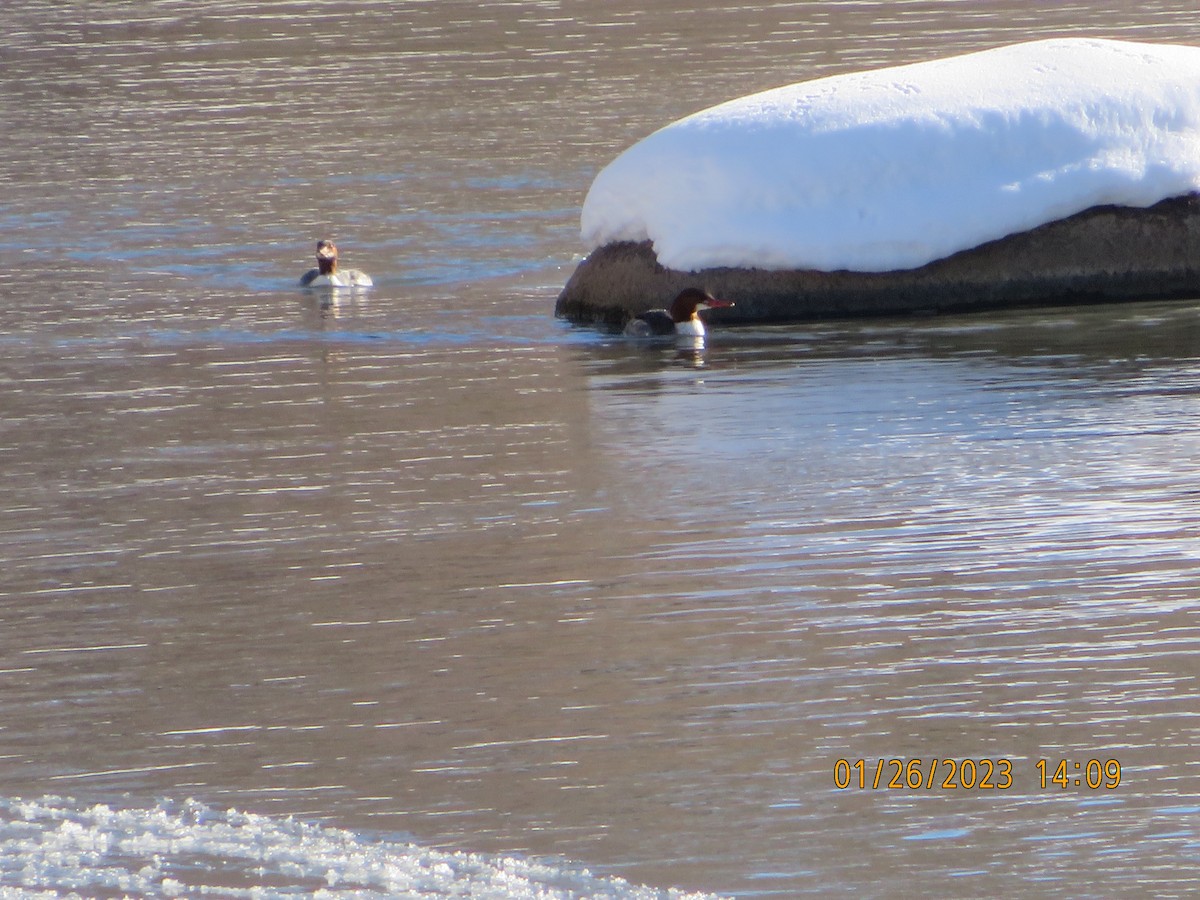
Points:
(347, 278)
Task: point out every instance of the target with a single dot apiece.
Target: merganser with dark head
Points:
(326, 274)
(680, 319)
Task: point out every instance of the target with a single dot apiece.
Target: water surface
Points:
(426, 565)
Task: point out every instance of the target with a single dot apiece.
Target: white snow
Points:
(54, 847)
(894, 168)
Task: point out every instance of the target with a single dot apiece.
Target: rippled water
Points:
(427, 565)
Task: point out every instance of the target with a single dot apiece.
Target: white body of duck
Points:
(682, 319)
(328, 275)
(347, 278)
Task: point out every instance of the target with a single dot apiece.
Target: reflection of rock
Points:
(1106, 253)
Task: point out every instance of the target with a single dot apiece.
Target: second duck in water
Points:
(681, 319)
(326, 274)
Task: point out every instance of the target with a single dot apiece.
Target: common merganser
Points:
(326, 273)
(680, 319)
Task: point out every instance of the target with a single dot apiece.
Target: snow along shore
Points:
(895, 168)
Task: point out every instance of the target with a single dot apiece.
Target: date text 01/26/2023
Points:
(982, 774)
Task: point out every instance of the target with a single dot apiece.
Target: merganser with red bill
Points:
(681, 319)
(327, 274)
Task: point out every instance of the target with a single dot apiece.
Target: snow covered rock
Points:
(922, 177)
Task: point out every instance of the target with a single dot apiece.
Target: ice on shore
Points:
(57, 847)
(894, 168)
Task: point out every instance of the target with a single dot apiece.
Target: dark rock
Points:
(1103, 254)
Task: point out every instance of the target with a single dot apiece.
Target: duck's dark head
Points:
(689, 300)
(326, 257)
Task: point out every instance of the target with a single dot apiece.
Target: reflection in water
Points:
(333, 304)
(429, 562)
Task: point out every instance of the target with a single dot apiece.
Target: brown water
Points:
(428, 562)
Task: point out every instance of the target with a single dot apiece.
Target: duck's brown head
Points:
(689, 300)
(327, 257)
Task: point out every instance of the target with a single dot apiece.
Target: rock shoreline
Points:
(1103, 254)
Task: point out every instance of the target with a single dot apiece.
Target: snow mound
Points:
(894, 168)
